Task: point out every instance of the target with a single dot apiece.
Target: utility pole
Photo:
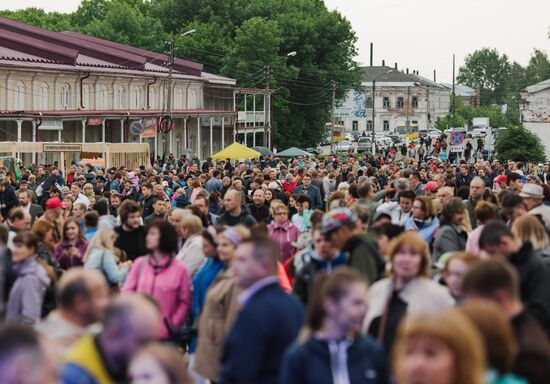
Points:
(333, 125)
(267, 107)
(407, 109)
(453, 97)
(373, 112)
(170, 64)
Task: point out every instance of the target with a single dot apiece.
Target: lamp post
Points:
(374, 104)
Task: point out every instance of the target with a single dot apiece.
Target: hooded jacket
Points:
(27, 294)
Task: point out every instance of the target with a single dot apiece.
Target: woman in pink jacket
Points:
(282, 230)
(162, 276)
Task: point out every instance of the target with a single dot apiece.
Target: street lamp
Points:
(189, 32)
(374, 103)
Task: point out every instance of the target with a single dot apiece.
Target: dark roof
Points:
(36, 43)
(384, 74)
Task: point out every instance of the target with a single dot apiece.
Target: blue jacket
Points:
(267, 324)
(314, 194)
(310, 363)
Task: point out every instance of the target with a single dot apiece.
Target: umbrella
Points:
(236, 151)
(264, 151)
(294, 152)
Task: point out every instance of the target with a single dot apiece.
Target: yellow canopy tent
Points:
(236, 151)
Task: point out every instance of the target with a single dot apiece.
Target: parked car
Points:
(384, 142)
(356, 135)
(314, 151)
(434, 134)
(478, 132)
(364, 144)
(344, 146)
(348, 137)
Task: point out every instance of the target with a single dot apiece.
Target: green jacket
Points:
(364, 257)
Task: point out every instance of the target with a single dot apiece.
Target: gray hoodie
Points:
(27, 294)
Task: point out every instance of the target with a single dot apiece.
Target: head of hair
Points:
(466, 257)
(390, 230)
(453, 329)
(364, 189)
(496, 334)
(416, 242)
(453, 206)
(492, 234)
(126, 208)
(103, 239)
(28, 239)
(168, 241)
(17, 339)
(72, 220)
(487, 277)
(427, 205)
(303, 199)
(329, 287)
(41, 227)
(264, 250)
(4, 234)
(513, 176)
(362, 212)
(192, 224)
(463, 192)
(485, 211)
(101, 206)
(407, 195)
(530, 228)
(91, 218)
(16, 213)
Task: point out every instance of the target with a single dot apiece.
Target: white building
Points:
(535, 111)
(401, 100)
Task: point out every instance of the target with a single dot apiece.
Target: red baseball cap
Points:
(53, 203)
(500, 179)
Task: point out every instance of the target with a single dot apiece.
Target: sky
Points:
(422, 34)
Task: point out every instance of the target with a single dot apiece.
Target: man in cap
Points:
(100, 185)
(533, 195)
(500, 181)
(53, 215)
(340, 228)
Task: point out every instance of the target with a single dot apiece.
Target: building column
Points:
(122, 130)
(185, 143)
(211, 136)
(34, 155)
(171, 144)
(199, 154)
(59, 133)
(103, 121)
(83, 131)
(19, 124)
(223, 134)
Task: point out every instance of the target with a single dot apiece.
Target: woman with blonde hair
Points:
(423, 218)
(191, 254)
(530, 228)
(438, 348)
(408, 291)
(456, 266)
(88, 191)
(158, 364)
(102, 255)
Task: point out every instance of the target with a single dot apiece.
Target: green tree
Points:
(519, 144)
(488, 71)
(53, 21)
(126, 22)
(538, 68)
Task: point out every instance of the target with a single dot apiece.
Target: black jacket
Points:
(534, 276)
(244, 219)
(310, 363)
(8, 198)
(260, 213)
(132, 243)
(266, 325)
(148, 206)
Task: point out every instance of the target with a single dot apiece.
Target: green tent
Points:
(294, 152)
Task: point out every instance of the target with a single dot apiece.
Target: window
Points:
(120, 97)
(152, 98)
(354, 125)
(179, 99)
(415, 124)
(369, 125)
(415, 102)
(65, 96)
(20, 96)
(44, 96)
(101, 98)
(386, 102)
(86, 96)
(386, 125)
(368, 102)
(400, 102)
(136, 98)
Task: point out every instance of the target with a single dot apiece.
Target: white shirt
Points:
(82, 199)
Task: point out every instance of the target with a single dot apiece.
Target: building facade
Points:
(535, 111)
(69, 87)
(400, 99)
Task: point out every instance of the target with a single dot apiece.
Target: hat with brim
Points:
(337, 218)
(532, 190)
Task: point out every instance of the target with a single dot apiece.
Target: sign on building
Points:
(51, 125)
(62, 148)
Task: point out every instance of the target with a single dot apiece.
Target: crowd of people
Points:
(336, 269)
